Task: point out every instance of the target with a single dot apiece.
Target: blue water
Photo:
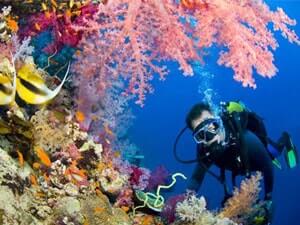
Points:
(276, 100)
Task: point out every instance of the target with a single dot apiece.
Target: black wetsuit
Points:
(243, 152)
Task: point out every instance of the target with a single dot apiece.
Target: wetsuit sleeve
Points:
(198, 175)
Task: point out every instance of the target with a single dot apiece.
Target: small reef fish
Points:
(80, 117)
(43, 156)
(76, 175)
(21, 158)
(12, 24)
(193, 5)
(33, 180)
(37, 26)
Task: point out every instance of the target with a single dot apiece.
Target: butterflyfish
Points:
(7, 89)
(31, 86)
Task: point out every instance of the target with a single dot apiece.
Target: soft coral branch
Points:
(241, 27)
(131, 39)
(134, 36)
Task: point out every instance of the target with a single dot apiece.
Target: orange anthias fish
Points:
(12, 24)
(47, 14)
(21, 158)
(194, 4)
(33, 180)
(37, 26)
(43, 156)
(80, 117)
(76, 175)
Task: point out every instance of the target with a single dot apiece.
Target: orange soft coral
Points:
(241, 204)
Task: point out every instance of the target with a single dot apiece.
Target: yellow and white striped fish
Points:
(7, 89)
(31, 87)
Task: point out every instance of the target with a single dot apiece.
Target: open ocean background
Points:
(277, 100)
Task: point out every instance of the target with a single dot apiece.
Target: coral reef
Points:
(65, 153)
(54, 130)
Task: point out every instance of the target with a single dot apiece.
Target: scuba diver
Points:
(235, 139)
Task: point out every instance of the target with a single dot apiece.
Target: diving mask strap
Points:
(175, 149)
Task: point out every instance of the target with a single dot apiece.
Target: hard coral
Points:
(51, 134)
(97, 210)
(193, 211)
(112, 181)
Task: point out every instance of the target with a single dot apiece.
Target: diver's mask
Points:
(207, 130)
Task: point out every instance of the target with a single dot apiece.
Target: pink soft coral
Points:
(130, 39)
(134, 36)
(241, 27)
(169, 210)
(139, 178)
(158, 177)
